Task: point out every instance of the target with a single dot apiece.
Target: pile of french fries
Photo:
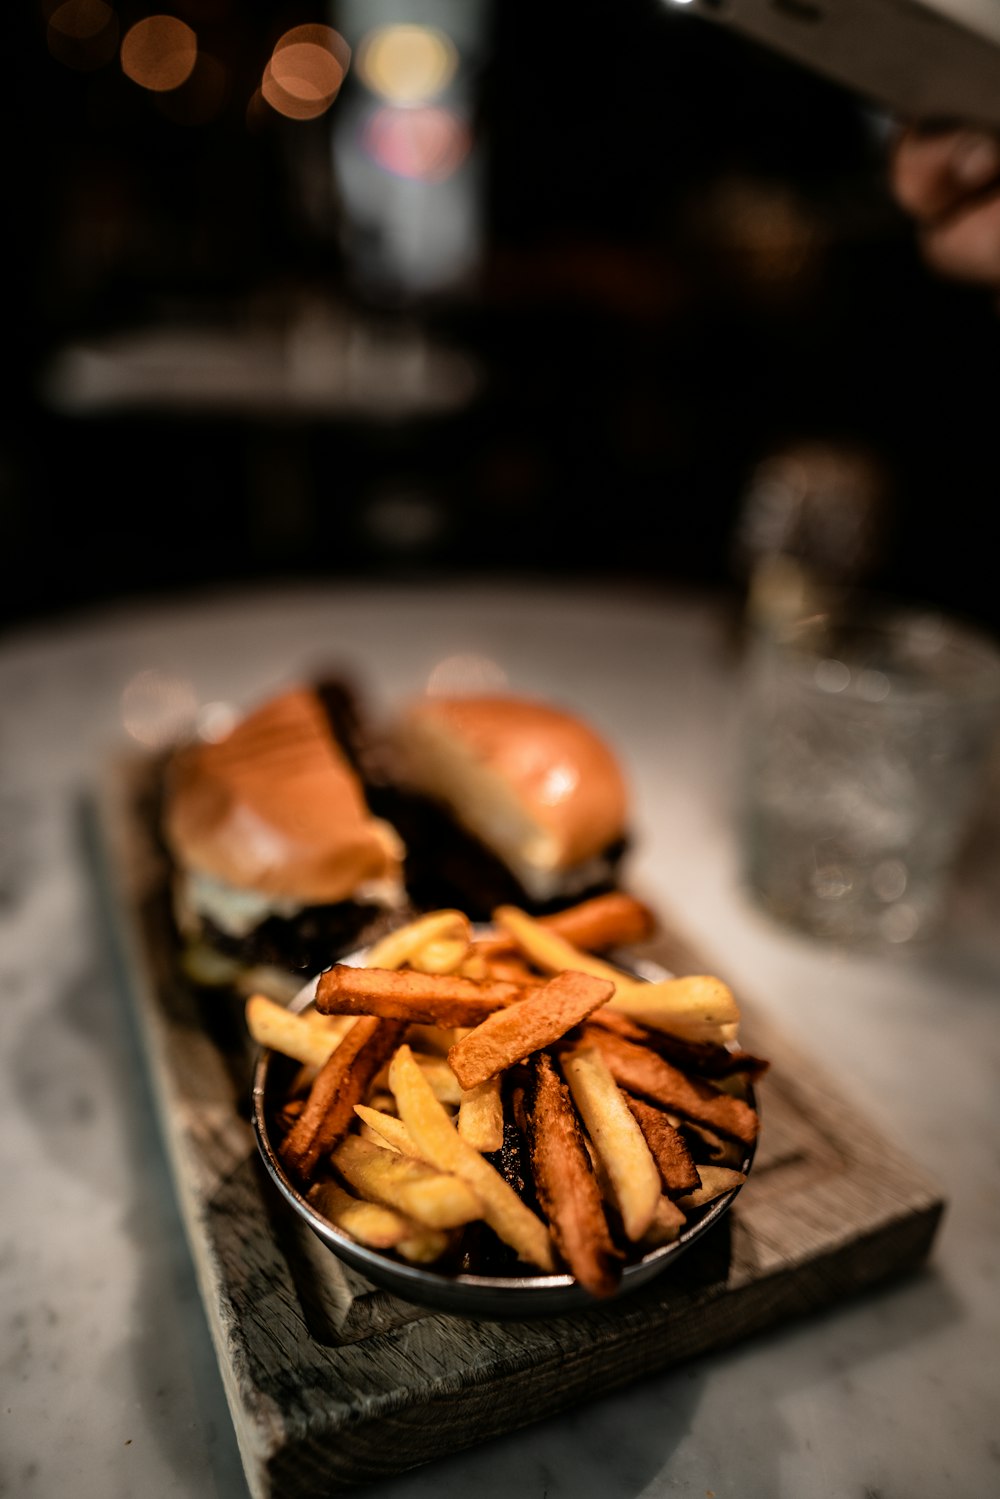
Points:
(512, 1102)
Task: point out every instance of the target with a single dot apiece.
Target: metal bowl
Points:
(479, 1296)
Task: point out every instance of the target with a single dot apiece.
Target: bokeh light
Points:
(158, 707)
(82, 34)
(407, 64)
(426, 144)
(305, 71)
(466, 672)
(159, 53)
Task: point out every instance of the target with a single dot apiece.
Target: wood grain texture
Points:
(332, 1382)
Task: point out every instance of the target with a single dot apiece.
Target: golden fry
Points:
(440, 937)
(715, 1180)
(294, 1035)
(667, 1225)
(480, 1116)
(368, 1222)
(616, 1138)
(435, 1199)
(437, 1071)
(440, 1143)
(390, 1130)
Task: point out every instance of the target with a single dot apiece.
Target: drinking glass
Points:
(867, 734)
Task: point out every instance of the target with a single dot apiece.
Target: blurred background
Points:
(364, 289)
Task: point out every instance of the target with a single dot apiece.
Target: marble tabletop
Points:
(109, 1381)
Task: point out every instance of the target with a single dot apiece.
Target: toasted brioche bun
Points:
(531, 781)
(275, 807)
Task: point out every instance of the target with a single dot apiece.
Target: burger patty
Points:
(306, 943)
(446, 866)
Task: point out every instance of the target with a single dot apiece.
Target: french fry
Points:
(475, 966)
(390, 1130)
(480, 1116)
(517, 1083)
(432, 1198)
(342, 1082)
(512, 1034)
(435, 943)
(424, 1245)
(435, 1039)
(643, 1072)
(615, 919)
(717, 1150)
(668, 1223)
(512, 969)
(439, 1142)
(382, 1099)
(616, 1137)
(698, 1007)
(438, 1073)
(705, 1058)
(369, 1222)
(567, 1188)
(294, 1035)
(419, 998)
(674, 1160)
(715, 1181)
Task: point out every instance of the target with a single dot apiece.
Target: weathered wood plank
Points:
(332, 1382)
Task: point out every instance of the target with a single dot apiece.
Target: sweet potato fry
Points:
(698, 1007)
(422, 998)
(512, 1034)
(342, 1082)
(706, 1058)
(616, 1137)
(640, 1071)
(674, 1160)
(567, 1188)
(615, 919)
(509, 968)
(435, 1199)
(440, 1143)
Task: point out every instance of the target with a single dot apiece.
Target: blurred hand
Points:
(949, 180)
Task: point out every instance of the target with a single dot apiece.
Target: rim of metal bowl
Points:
(486, 1296)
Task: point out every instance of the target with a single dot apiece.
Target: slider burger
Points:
(505, 800)
(280, 867)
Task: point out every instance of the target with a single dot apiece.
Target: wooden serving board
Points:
(332, 1382)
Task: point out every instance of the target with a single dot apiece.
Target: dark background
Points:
(689, 258)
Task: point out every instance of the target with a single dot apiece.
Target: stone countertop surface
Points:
(109, 1381)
